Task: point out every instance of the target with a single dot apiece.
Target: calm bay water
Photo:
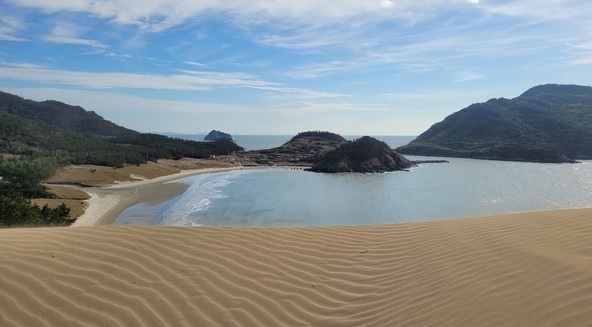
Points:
(284, 197)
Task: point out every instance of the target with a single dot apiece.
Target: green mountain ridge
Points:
(52, 128)
(58, 114)
(547, 123)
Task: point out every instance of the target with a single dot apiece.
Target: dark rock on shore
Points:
(364, 155)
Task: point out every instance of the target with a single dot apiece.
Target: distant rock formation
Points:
(215, 135)
(364, 155)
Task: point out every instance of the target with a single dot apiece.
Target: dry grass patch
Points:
(89, 175)
(65, 192)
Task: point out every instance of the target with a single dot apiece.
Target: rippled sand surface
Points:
(531, 269)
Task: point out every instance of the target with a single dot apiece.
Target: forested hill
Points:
(70, 134)
(547, 123)
(61, 115)
(364, 155)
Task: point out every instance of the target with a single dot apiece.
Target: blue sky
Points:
(354, 67)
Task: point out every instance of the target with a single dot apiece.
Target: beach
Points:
(531, 269)
(106, 203)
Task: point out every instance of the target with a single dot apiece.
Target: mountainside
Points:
(61, 115)
(70, 134)
(364, 155)
(547, 123)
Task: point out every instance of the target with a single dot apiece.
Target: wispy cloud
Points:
(184, 80)
(313, 107)
(194, 63)
(584, 54)
(73, 40)
(162, 14)
(549, 10)
(467, 76)
(9, 27)
(434, 94)
(68, 33)
(93, 100)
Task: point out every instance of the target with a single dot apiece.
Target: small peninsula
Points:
(547, 123)
(364, 155)
(302, 149)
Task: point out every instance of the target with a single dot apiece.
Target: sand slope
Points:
(517, 270)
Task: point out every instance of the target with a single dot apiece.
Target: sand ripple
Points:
(519, 270)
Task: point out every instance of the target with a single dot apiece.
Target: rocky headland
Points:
(364, 155)
(548, 123)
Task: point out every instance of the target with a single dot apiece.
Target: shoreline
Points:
(108, 202)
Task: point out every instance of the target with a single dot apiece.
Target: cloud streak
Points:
(163, 14)
(9, 26)
(185, 80)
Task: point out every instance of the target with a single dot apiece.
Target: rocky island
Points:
(548, 123)
(364, 155)
(215, 135)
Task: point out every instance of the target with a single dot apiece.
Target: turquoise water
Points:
(282, 197)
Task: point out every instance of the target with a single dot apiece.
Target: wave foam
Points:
(201, 195)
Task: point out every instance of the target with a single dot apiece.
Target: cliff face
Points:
(364, 155)
(548, 123)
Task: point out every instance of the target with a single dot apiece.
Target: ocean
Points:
(278, 197)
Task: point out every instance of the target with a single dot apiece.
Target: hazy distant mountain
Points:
(548, 123)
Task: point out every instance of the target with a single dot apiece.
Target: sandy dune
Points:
(517, 270)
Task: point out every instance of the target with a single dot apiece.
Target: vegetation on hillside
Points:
(365, 154)
(61, 115)
(548, 123)
(321, 135)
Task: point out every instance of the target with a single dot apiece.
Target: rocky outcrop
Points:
(217, 135)
(364, 155)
